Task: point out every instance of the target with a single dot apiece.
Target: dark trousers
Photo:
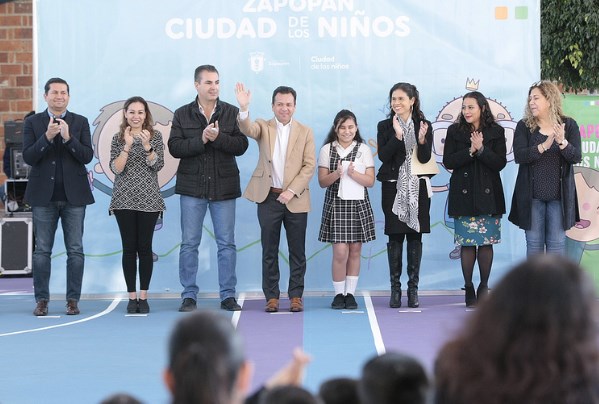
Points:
(137, 232)
(271, 214)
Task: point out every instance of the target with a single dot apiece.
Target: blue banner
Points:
(336, 54)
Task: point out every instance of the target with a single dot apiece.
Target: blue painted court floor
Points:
(102, 351)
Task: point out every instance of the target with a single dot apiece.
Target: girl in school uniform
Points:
(346, 162)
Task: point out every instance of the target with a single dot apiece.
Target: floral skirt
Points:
(477, 230)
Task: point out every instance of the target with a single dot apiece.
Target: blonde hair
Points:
(552, 93)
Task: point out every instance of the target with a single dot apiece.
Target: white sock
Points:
(339, 287)
(351, 282)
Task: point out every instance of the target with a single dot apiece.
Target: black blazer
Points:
(41, 155)
(392, 152)
(475, 186)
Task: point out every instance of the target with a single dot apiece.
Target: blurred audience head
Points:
(533, 341)
(288, 394)
(393, 378)
(339, 390)
(206, 361)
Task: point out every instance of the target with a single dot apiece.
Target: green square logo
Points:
(522, 13)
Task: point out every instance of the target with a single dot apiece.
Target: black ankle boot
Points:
(470, 296)
(394, 252)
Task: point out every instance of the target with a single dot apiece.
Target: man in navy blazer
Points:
(57, 146)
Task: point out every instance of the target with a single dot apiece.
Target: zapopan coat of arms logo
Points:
(257, 61)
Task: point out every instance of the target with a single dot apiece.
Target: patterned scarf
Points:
(408, 186)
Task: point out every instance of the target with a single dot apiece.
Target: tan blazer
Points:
(300, 162)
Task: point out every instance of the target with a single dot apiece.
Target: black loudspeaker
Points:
(16, 241)
(18, 167)
(13, 133)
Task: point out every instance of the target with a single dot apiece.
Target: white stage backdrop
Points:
(336, 54)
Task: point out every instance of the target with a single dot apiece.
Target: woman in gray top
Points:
(136, 156)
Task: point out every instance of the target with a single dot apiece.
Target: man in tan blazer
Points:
(280, 187)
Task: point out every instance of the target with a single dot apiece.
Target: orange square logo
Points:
(501, 13)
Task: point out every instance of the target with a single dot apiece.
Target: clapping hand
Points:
(476, 139)
(559, 132)
(422, 133)
(144, 136)
(210, 132)
(128, 137)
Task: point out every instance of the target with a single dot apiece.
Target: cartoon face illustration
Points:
(587, 188)
(107, 125)
(449, 114)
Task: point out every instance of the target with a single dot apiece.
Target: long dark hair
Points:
(412, 92)
(486, 116)
(534, 340)
(205, 357)
(148, 122)
(341, 117)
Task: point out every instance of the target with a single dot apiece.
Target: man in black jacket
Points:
(206, 137)
(57, 146)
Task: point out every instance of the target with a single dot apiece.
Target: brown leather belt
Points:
(276, 190)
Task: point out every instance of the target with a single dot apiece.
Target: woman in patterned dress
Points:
(136, 156)
(405, 198)
(349, 222)
(475, 150)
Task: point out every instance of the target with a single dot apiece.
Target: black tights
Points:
(484, 256)
(137, 231)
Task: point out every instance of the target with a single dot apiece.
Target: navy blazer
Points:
(41, 155)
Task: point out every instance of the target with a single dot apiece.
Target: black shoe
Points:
(144, 307)
(188, 304)
(132, 306)
(230, 304)
(481, 292)
(338, 302)
(350, 302)
(470, 296)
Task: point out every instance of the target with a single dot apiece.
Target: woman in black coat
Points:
(546, 147)
(405, 197)
(475, 150)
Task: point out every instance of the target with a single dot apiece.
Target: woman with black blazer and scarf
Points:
(405, 197)
(546, 147)
(475, 150)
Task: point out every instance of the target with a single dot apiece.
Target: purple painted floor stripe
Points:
(269, 337)
(420, 332)
(9, 284)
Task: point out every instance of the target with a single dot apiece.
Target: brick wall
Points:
(16, 63)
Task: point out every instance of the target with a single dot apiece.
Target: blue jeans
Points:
(45, 222)
(193, 211)
(547, 232)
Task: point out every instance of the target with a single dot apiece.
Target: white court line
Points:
(374, 325)
(237, 314)
(110, 308)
